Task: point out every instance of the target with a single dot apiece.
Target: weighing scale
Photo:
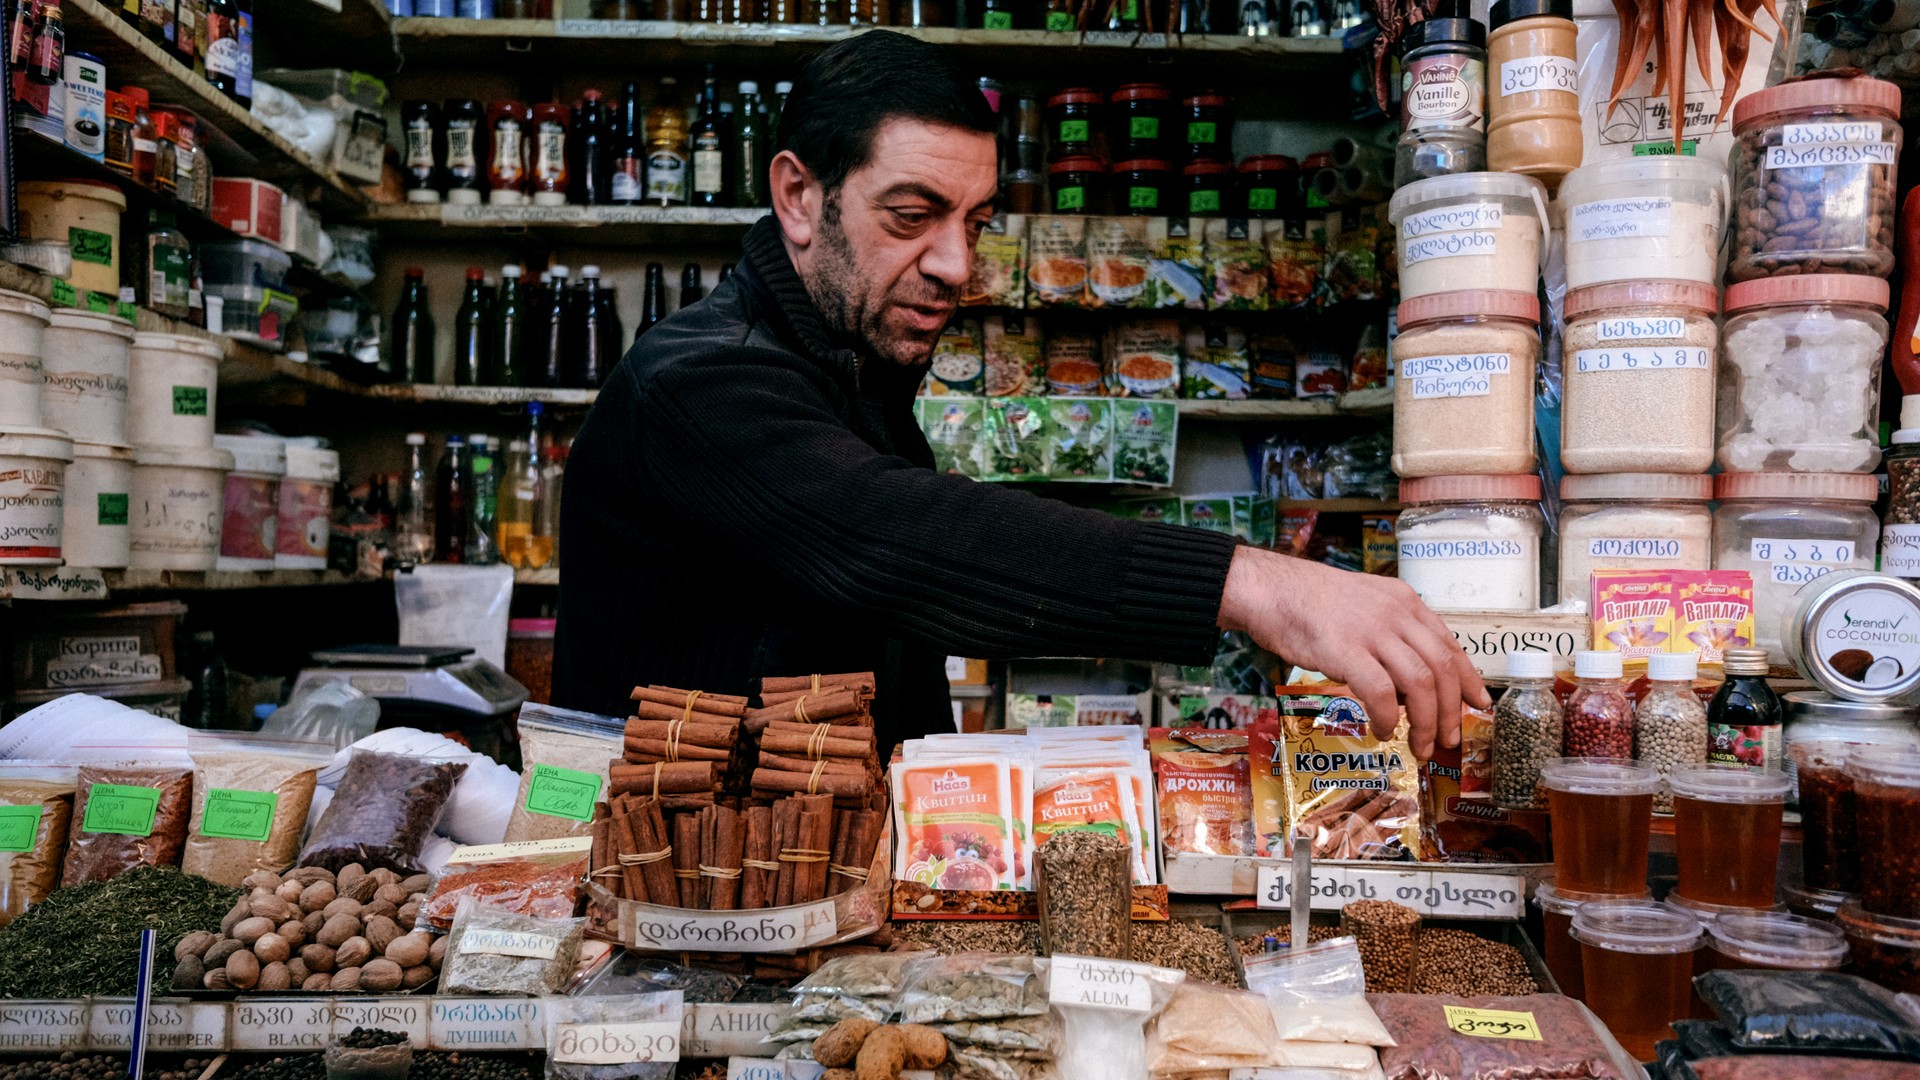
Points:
(443, 688)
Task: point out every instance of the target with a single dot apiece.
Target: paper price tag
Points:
(66, 583)
(746, 1068)
(484, 1024)
(407, 1015)
(562, 793)
(1090, 983)
(232, 814)
(1466, 375)
(616, 1044)
(1493, 1023)
(33, 1026)
(717, 1031)
(273, 1025)
(18, 826)
(171, 1025)
(122, 809)
(510, 943)
(1652, 328)
(1617, 219)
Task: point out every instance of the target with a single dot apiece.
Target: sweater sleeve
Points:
(746, 453)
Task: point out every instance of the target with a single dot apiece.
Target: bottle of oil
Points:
(520, 500)
(1744, 718)
(667, 179)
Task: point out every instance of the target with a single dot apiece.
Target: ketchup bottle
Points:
(1906, 347)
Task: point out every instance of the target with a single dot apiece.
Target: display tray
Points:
(1241, 924)
(1454, 890)
(912, 900)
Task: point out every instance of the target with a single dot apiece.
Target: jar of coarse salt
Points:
(1472, 543)
(1638, 361)
(1484, 227)
(1789, 528)
(1632, 521)
(1463, 399)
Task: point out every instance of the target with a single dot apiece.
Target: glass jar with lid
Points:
(1140, 187)
(1072, 116)
(1632, 521)
(1079, 185)
(1638, 363)
(1208, 119)
(1270, 187)
(1141, 115)
(1800, 365)
(1463, 396)
(1443, 100)
(1813, 179)
(1484, 227)
(1817, 718)
(1787, 529)
(1472, 543)
(1207, 186)
(1633, 219)
(1533, 96)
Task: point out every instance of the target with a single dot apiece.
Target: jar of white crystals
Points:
(1639, 368)
(1483, 228)
(1463, 395)
(1788, 528)
(1472, 543)
(1632, 521)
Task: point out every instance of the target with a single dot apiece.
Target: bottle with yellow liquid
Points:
(520, 498)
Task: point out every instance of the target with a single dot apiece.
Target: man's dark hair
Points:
(847, 91)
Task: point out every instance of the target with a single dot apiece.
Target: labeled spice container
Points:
(1900, 533)
(1834, 726)
(1270, 187)
(1599, 718)
(1787, 529)
(1526, 731)
(1886, 793)
(1472, 543)
(250, 505)
(1078, 185)
(171, 389)
(1885, 948)
(1632, 521)
(1443, 100)
(1602, 811)
(1533, 93)
(175, 509)
(305, 520)
(1800, 374)
(1638, 367)
(1814, 178)
(1073, 117)
(94, 520)
(1483, 227)
(1206, 188)
(1852, 633)
(87, 367)
(23, 327)
(1141, 115)
(33, 466)
(1558, 948)
(1670, 722)
(1637, 958)
(1463, 399)
(1631, 219)
(1829, 823)
(1727, 832)
(1140, 187)
(1208, 119)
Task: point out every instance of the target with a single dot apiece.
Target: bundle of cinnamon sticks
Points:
(693, 735)
(816, 737)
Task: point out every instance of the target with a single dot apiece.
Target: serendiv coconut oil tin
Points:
(1857, 635)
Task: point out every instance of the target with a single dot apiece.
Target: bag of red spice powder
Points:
(538, 878)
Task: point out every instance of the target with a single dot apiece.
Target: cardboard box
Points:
(252, 208)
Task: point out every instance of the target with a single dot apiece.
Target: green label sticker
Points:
(1130, 10)
(18, 826)
(1074, 131)
(90, 246)
(562, 793)
(113, 508)
(189, 401)
(1143, 198)
(999, 20)
(232, 814)
(1664, 148)
(1060, 22)
(100, 303)
(1203, 202)
(1070, 198)
(124, 809)
(1143, 127)
(1201, 131)
(64, 294)
(1263, 198)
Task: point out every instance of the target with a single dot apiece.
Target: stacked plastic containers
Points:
(34, 456)
(179, 476)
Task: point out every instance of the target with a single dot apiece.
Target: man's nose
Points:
(949, 254)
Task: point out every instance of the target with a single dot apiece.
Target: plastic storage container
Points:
(306, 508)
(1527, 726)
(250, 506)
(244, 262)
(1800, 374)
(1443, 103)
(87, 367)
(1774, 942)
(176, 507)
(1472, 543)
(1825, 724)
(1559, 949)
(1885, 949)
(1638, 368)
(1638, 218)
(1463, 399)
(1886, 799)
(1533, 93)
(1141, 118)
(1670, 720)
(1632, 521)
(1787, 529)
(171, 390)
(1829, 817)
(85, 216)
(255, 314)
(33, 468)
(1823, 151)
(1483, 228)
(1727, 833)
(1602, 812)
(1638, 962)
(99, 485)
(23, 325)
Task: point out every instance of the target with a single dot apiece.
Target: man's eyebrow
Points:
(917, 190)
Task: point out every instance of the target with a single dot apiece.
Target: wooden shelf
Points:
(1359, 403)
(190, 581)
(432, 393)
(1339, 506)
(609, 226)
(356, 35)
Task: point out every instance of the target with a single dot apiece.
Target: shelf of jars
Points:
(239, 144)
(433, 393)
(437, 223)
(212, 580)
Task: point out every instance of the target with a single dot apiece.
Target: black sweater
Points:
(749, 498)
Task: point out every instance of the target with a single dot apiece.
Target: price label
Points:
(1803, 552)
(121, 809)
(32, 1026)
(616, 1044)
(717, 1031)
(485, 1024)
(274, 1025)
(18, 826)
(1619, 219)
(779, 930)
(747, 1068)
(1643, 359)
(66, 583)
(171, 1025)
(232, 814)
(510, 943)
(1654, 328)
(1533, 74)
(1091, 983)
(563, 793)
(1819, 154)
(1467, 375)
(1430, 892)
(408, 1015)
(1493, 1023)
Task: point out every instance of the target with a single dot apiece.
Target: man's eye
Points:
(913, 218)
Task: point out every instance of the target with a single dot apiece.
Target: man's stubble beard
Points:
(839, 291)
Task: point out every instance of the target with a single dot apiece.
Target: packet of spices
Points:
(1117, 262)
(1270, 356)
(1353, 265)
(1206, 803)
(1380, 545)
(540, 878)
(382, 812)
(564, 757)
(1237, 262)
(250, 800)
(1080, 433)
(1143, 359)
(1713, 612)
(1016, 363)
(1016, 433)
(36, 807)
(613, 1036)
(1073, 359)
(1213, 513)
(1056, 260)
(1357, 796)
(1177, 264)
(1462, 826)
(1144, 435)
(1165, 511)
(1216, 365)
(1295, 257)
(999, 264)
(1632, 613)
(954, 428)
(959, 361)
(128, 816)
(494, 950)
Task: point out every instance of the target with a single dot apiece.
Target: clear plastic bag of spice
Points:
(1318, 993)
(250, 802)
(36, 807)
(564, 756)
(613, 1037)
(498, 951)
(541, 878)
(128, 815)
(382, 812)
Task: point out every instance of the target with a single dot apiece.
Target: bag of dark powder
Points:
(382, 812)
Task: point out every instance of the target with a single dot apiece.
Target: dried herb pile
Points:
(85, 940)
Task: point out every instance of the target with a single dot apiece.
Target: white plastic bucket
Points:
(171, 395)
(85, 216)
(99, 490)
(86, 363)
(250, 512)
(23, 325)
(306, 508)
(33, 470)
(176, 507)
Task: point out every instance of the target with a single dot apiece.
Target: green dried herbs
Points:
(85, 940)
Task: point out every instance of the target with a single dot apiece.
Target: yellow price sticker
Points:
(1493, 1023)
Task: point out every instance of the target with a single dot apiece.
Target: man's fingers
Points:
(1437, 655)
(1374, 687)
(1473, 690)
(1415, 683)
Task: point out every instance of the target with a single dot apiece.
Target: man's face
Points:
(894, 246)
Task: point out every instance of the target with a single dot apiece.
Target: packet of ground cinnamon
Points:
(1318, 768)
(36, 805)
(538, 878)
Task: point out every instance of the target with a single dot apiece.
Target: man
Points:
(751, 496)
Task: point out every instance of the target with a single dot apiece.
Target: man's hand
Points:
(1372, 633)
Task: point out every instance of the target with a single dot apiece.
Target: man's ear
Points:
(796, 198)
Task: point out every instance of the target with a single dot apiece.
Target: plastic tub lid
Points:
(1632, 487)
(1600, 775)
(1528, 664)
(1777, 940)
(186, 343)
(1822, 706)
(97, 321)
(1471, 303)
(88, 189)
(1548, 897)
(1519, 487)
(20, 303)
(255, 453)
(536, 628)
(1728, 784)
(1269, 163)
(315, 463)
(1857, 921)
(1505, 11)
(36, 442)
(1143, 165)
(1212, 99)
(1141, 91)
(1465, 186)
(1206, 168)
(1598, 664)
(1673, 667)
(185, 457)
(1894, 766)
(1851, 487)
(1859, 93)
(104, 451)
(1644, 173)
(1078, 164)
(1707, 913)
(1802, 898)
(1076, 95)
(1808, 289)
(1697, 295)
(1636, 926)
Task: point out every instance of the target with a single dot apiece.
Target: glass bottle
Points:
(1670, 723)
(169, 266)
(146, 148)
(627, 185)
(413, 331)
(481, 548)
(47, 57)
(156, 22)
(546, 521)
(1025, 181)
(413, 535)
(1599, 720)
(1744, 718)
(1526, 731)
(422, 178)
(550, 157)
(452, 502)
(551, 330)
(509, 331)
(690, 288)
(206, 705)
(465, 126)
(223, 46)
(775, 110)
(667, 179)
(593, 146)
(473, 335)
(519, 501)
(380, 502)
(749, 150)
(1443, 111)
(187, 19)
(599, 347)
(710, 148)
(653, 301)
